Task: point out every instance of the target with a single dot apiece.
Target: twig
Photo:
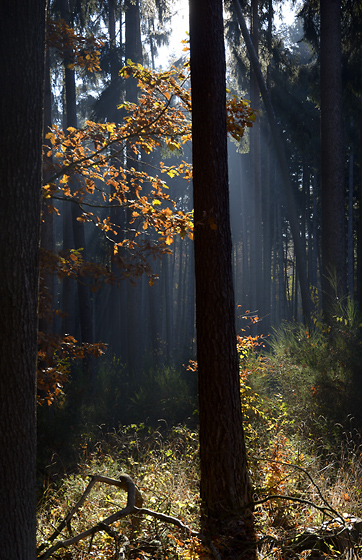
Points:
(167, 519)
(297, 467)
(291, 499)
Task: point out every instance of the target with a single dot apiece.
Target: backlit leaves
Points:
(91, 168)
(78, 50)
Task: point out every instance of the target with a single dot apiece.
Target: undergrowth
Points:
(304, 451)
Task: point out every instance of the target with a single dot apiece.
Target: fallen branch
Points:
(134, 506)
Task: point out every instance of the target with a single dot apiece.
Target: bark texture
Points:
(224, 475)
(22, 54)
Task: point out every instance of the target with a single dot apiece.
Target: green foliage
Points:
(164, 393)
(317, 374)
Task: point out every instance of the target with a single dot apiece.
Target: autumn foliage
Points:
(100, 168)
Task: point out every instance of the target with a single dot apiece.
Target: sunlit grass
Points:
(306, 469)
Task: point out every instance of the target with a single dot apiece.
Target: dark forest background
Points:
(149, 330)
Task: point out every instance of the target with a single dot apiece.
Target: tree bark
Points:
(22, 36)
(334, 282)
(224, 488)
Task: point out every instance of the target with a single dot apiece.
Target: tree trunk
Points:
(299, 249)
(256, 252)
(133, 51)
(332, 158)
(224, 488)
(350, 235)
(85, 304)
(22, 53)
(47, 282)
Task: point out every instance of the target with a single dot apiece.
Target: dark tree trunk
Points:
(332, 157)
(133, 51)
(256, 252)
(47, 282)
(350, 236)
(22, 54)
(85, 303)
(69, 119)
(225, 485)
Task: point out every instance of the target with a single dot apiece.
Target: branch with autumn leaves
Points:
(97, 167)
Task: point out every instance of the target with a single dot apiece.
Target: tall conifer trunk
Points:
(73, 229)
(256, 237)
(133, 51)
(334, 280)
(22, 53)
(225, 488)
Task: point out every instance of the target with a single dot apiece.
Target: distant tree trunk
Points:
(256, 252)
(114, 309)
(350, 236)
(334, 281)
(84, 297)
(267, 237)
(22, 27)
(133, 51)
(299, 249)
(224, 487)
(69, 119)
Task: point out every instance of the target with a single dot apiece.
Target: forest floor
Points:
(302, 424)
(318, 518)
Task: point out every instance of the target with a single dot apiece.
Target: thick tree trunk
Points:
(22, 54)
(225, 488)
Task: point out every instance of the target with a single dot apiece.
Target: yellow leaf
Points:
(64, 179)
(50, 136)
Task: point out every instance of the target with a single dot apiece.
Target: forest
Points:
(181, 279)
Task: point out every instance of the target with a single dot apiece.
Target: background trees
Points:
(281, 257)
(148, 327)
(22, 50)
